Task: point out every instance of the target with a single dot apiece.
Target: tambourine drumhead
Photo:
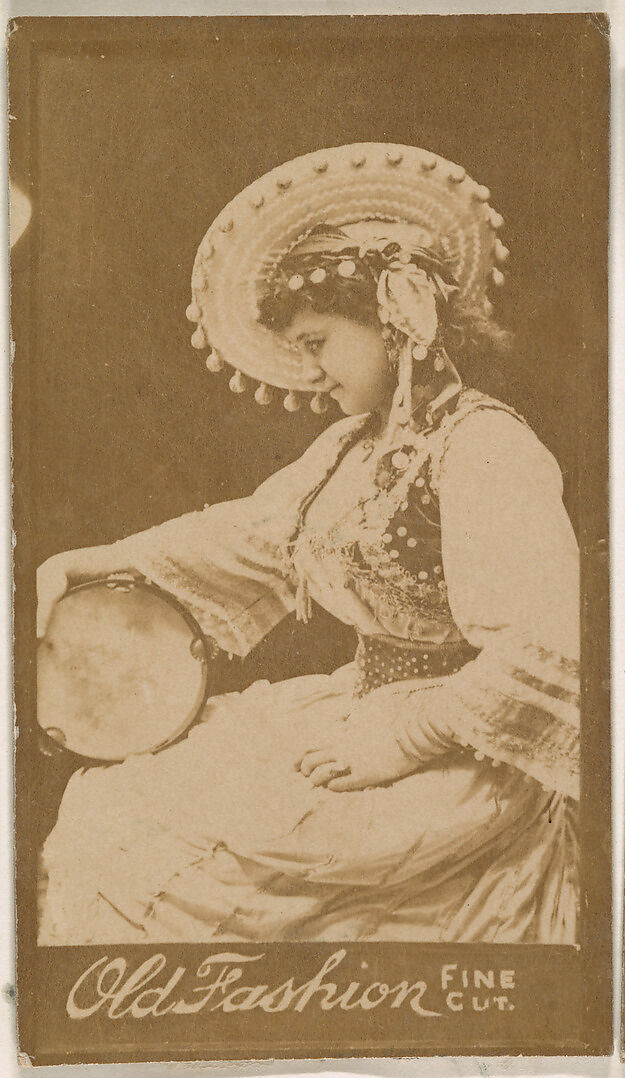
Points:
(122, 670)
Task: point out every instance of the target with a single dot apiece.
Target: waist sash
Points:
(381, 660)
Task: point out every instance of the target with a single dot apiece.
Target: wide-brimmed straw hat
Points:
(377, 182)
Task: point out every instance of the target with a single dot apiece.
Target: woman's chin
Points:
(344, 401)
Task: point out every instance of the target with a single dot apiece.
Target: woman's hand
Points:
(364, 753)
(72, 567)
(390, 733)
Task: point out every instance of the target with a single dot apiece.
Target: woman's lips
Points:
(319, 385)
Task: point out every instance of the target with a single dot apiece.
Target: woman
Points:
(426, 791)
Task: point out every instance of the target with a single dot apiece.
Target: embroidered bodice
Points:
(376, 560)
(384, 550)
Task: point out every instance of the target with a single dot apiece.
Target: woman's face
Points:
(347, 360)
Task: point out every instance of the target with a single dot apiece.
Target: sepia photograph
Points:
(310, 407)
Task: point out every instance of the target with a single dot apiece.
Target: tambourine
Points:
(122, 669)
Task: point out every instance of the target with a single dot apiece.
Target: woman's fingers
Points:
(343, 784)
(322, 765)
(322, 774)
(313, 758)
(51, 586)
(314, 755)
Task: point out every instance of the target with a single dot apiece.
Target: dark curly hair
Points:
(470, 336)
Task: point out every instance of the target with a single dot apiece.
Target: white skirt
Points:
(220, 838)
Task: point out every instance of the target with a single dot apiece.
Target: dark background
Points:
(130, 135)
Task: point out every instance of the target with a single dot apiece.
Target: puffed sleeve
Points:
(512, 570)
(229, 564)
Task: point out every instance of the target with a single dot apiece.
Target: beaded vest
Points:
(393, 557)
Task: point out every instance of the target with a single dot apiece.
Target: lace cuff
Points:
(223, 573)
(525, 714)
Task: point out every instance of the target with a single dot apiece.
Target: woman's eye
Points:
(315, 345)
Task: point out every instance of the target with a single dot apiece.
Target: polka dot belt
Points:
(381, 660)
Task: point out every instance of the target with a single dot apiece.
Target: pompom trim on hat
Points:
(390, 187)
